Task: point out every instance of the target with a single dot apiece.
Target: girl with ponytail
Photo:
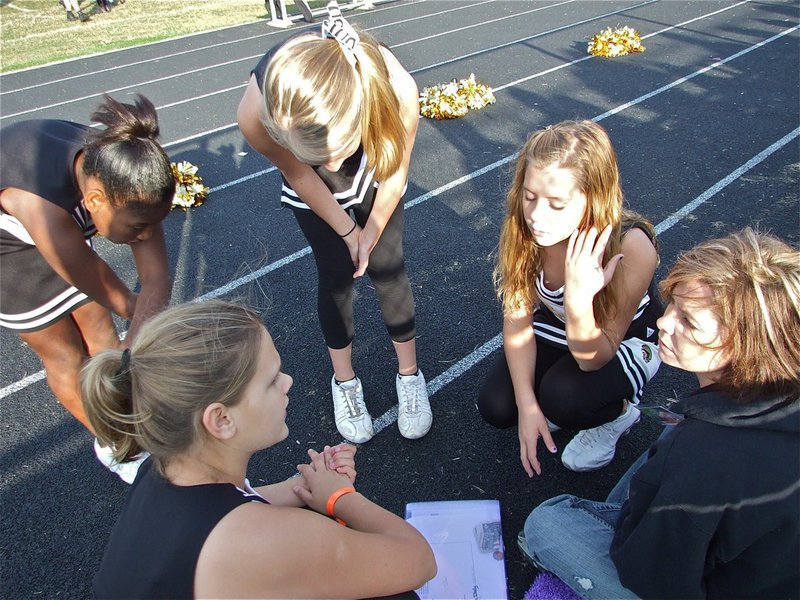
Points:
(60, 184)
(201, 389)
(337, 114)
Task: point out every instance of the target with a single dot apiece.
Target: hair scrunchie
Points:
(125, 364)
(336, 27)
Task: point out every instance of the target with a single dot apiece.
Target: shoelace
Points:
(412, 405)
(351, 401)
(590, 436)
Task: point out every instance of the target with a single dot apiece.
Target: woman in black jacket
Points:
(711, 510)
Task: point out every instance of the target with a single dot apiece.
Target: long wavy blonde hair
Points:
(316, 103)
(585, 149)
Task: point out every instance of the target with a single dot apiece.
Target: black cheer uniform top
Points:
(157, 539)
(38, 156)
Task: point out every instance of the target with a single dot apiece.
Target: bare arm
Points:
(62, 245)
(589, 345)
(519, 345)
(152, 267)
(300, 176)
(390, 190)
(270, 551)
(340, 458)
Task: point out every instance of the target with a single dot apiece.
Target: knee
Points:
(563, 400)
(544, 526)
(493, 410)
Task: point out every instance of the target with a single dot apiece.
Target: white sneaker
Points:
(414, 415)
(127, 470)
(594, 448)
(352, 419)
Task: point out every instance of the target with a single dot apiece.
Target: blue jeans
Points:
(571, 538)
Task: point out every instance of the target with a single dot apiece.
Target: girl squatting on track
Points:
(337, 114)
(60, 184)
(579, 327)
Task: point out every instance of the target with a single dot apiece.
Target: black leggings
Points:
(568, 397)
(335, 269)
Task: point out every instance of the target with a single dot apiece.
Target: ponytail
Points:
(382, 131)
(125, 156)
(106, 395)
(182, 360)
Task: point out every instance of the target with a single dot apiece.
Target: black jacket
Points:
(715, 510)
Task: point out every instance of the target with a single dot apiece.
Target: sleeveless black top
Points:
(38, 156)
(157, 539)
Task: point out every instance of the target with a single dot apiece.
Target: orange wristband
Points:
(334, 497)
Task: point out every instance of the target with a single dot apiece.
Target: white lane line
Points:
(472, 359)
(524, 79)
(182, 52)
(724, 182)
(482, 23)
(254, 57)
(649, 35)
(436, 14)
(496, 89)
(487, 348)
(531, 37)
(677, 82)
(14, 387)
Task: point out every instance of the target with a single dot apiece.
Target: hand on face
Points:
(584, 275)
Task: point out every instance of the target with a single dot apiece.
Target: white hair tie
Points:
(336, 27)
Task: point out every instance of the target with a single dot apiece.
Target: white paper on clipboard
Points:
(467, 541)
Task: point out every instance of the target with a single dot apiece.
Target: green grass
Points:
(36, 32)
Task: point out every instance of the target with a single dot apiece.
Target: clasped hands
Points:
(326, 472)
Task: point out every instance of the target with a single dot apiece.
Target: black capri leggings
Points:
(568, 397)
(335, 269)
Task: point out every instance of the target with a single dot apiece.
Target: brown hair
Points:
(182, 360)
(316, 102)
(585, 149)
(755, 283)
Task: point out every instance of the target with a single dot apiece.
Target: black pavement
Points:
(705, 123)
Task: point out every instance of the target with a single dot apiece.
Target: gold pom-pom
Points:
(454, 99)
(189, 188)
(610, 43)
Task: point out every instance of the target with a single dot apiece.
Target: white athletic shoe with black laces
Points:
(352, 418)
(594, 448)
(414, 415)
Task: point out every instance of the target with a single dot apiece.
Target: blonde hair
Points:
(316, 103)
(755, 283)
(182, 360)
(585, 149)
